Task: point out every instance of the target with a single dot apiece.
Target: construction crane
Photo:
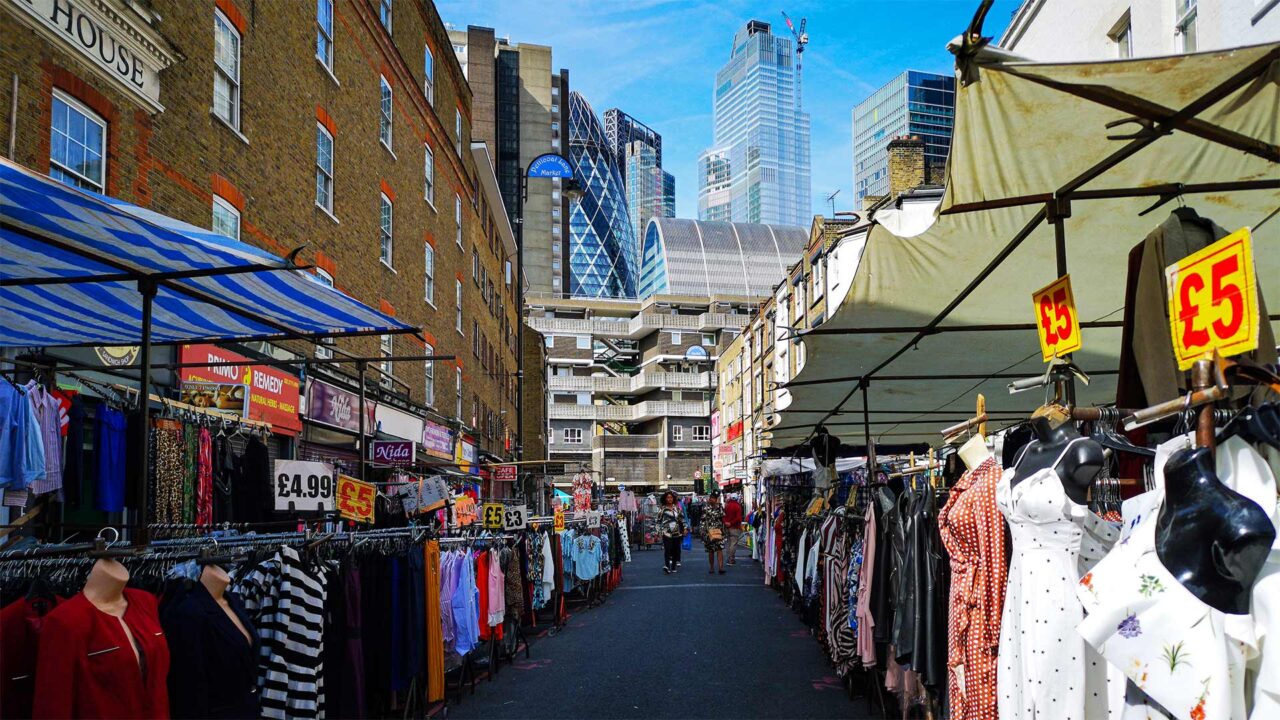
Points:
(802, 39)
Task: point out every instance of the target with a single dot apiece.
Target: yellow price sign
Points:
(1213, 300)
(1056, 319)
(559, 521)
(493, 515)
(356, 499)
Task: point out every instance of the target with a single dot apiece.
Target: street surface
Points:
(689, 645)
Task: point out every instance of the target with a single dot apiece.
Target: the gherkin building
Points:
(603, 251)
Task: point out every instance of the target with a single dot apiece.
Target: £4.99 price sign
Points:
(1213, 300)
(1056, 319)
(303, 485)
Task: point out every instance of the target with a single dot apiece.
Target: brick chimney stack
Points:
(906, 164)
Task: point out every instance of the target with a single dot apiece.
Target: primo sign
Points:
(106, 35)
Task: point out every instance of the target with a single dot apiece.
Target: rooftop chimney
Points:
(906, 164)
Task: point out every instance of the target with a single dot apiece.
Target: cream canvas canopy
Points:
(930, 321)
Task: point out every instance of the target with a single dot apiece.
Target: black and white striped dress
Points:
(286, 600)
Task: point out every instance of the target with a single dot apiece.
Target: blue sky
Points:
(657, 60)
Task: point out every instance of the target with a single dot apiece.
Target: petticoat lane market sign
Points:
(112, 37)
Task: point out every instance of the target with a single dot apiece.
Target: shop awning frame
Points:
(1154, 122)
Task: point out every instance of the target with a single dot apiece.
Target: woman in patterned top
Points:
(671, 525)
(712, 526)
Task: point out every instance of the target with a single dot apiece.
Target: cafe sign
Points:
(110, 36)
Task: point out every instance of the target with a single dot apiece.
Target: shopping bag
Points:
(687, 543)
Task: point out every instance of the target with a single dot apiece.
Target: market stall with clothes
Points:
(1093, 472)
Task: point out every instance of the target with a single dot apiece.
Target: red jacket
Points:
(86, 669)
(20, 623)
(733, 515)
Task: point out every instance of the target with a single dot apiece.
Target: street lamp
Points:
(547, 165)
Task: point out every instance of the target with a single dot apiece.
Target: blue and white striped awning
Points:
(89, 251)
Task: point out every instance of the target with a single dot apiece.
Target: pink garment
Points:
(866, 647)
(204, 479)
(497, 590)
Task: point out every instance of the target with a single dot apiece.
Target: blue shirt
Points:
(21, 449)
(586, 557)
(466, 597)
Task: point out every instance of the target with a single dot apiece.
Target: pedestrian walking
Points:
(732, 528)
(671, 525)
(712, 526)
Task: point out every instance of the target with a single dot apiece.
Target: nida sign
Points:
(113, 38)
(393, 452)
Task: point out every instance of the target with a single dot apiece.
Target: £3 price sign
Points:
(356, 499)
(493, 516)
(515, 517)
(1213, 300)
(1056, 319)
(559, 526)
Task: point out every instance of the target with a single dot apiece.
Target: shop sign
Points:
(715, 424)
(303, 485)
(106, 36)
(735, 431)
(466, 458)
(273, 393)
(515, 517)
(726, 449)
(1056, 319)
(437, 440)
(340, 408)
(1213, 300)
(505, 473)
(493, 516)
(398, 423)
(400, 453)
(356, 499)
(224, 397)
(117, 355)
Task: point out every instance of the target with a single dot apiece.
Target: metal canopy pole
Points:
(147, 288)
(1057, 211)
(360, 368)
(866, 432)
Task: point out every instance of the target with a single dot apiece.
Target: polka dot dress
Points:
(1041, 674)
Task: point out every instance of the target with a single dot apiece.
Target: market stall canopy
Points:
(70, 262)
(932, 320)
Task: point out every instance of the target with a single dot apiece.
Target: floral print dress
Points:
(712, 518)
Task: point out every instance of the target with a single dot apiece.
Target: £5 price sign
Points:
(1056, 319)
(356, 499)
(303, 485)
(1213, 300)
(493, 516)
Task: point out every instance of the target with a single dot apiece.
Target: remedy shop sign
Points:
(400, 453)
(273, 393)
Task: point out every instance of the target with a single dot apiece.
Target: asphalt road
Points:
(688, 645)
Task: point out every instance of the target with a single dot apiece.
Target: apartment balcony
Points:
(626, 442)
(638, 383)
(639, 412)
(639, 325)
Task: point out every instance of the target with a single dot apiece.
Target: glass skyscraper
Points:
(914, 103)
(620, 129)
(603, 251)
(757, 171)
(651, 191)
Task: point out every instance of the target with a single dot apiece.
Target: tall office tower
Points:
(620, 129)
(651, 192)
(517, 110)
(913, 103)
(761, 142)
(603, 252)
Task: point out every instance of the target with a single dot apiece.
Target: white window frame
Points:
(323, 352)
(702, 433)
(324, 52)
(220, 203)
(457, 410)
(429, 74)
(582, 342)
(386, 348)
(386, 106)
(384, 14)
(73, 105)
(232, 80)
(324, 175)
(572, 436)
(708, 339)
(429, 176)
(386, 230)
(429, 274)
(1186, 20)
(457, 298)
(677, 433)
(550, 341)
(457, 217)
(676, 337)
(457, 130)
(429, 377)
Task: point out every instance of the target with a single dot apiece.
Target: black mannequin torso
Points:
(1077, 468)
(1211, 538)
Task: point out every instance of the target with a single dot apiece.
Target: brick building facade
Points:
(342, 126)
